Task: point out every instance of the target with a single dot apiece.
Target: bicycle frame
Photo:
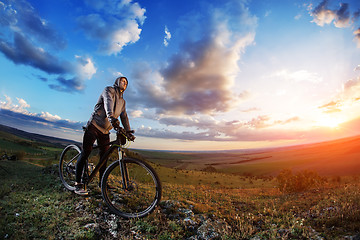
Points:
(123, 170)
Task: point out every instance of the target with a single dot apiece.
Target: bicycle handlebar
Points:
(128, 134)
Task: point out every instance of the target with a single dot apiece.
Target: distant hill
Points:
(36, 137)
(337, 157)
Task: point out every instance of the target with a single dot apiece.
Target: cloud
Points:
(331, 107)
(136, 114)
(49, 116)
(346, 96)
(19, 108)
(341, 17)
(299, 76)
(323, 15)
(253, 109)
(208, 128)
(357, 37)
(17, 114)
(23, 52)
(85, 67)
(68, 85)
(167, 37)
(23, 31)
(20, 16)
(168, 134)
(115, 24)
(200, 77)
(352, 85)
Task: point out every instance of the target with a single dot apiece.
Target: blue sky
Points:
(203, 75)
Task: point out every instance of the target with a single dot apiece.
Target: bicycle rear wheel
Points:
(67, 166)
(143, 191)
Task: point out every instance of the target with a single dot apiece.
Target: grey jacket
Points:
(110, 104)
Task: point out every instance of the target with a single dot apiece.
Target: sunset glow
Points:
(329, 122)
(203, 75)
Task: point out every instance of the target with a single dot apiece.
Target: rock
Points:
(186, 212)
(213, 229)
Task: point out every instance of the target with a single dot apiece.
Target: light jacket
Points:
(110, 104)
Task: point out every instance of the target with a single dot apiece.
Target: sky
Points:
(203, 75)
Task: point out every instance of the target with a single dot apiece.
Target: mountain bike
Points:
(130, 187)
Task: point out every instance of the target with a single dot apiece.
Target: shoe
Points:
(80, 190)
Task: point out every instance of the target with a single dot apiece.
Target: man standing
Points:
(109, 107)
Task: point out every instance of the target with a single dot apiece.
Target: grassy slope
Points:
(33, 204)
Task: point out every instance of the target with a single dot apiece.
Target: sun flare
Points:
(329, 122)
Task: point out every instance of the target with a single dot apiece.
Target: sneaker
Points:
(80, 190)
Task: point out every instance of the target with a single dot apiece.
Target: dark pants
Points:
(91, 134)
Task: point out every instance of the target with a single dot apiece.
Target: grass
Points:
(34, 204)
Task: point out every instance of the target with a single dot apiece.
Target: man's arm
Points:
(125, 120)
(108, 96)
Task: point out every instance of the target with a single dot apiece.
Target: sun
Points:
(329, 122)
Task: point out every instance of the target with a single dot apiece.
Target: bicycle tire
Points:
(142, 195)
(67, 166)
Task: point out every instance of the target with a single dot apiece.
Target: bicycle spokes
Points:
(133, 195)
(67, 166)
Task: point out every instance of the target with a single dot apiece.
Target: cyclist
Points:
(109, 107)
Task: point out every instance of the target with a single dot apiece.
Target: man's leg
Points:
(103, 139)
(88, 141)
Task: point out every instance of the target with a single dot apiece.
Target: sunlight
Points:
(329, 122)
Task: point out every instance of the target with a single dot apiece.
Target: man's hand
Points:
(130, 135)
(114, 122)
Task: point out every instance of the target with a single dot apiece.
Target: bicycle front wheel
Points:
(141, 193)
(67, 166)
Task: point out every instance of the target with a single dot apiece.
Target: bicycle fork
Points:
(123, 169)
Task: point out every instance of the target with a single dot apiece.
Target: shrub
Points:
(304, 180)
(209, 169)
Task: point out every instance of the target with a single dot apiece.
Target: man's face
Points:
(122, 84)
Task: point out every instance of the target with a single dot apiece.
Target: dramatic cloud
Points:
(114, 24)
(323, 15)
(23, 31)
(23, 52)
(20, 16)
(200, 77)
(341, 17)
